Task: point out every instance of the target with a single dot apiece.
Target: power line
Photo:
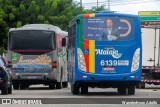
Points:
(135, 2)
(116, 1)
(109, 3)
(122, 2)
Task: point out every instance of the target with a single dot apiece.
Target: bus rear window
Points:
(109, 28)
(32, 40)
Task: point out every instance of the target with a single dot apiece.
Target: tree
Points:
(95, 9)
(16, 13)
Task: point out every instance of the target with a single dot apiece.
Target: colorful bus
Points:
(105, 51)
(37, 53)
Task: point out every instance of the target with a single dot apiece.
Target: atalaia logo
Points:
(108, 51)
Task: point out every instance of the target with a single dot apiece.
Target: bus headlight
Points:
(81, 60)
(135, 61)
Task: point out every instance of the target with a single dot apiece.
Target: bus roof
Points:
(42, 25)
(92, 15)
(106, 14)
(47, 27)
(65, 33)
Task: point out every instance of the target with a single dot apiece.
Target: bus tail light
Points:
(54, 65)
(9, 62)
(135, 61)
(81, 60)
(49, 74)
(13, 74)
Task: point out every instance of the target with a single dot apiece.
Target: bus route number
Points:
(109, 62)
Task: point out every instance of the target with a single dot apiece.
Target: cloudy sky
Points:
(125, 6)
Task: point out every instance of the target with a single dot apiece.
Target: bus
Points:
(105, 51)
(37, 53)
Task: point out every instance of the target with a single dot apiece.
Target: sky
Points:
(124, 6)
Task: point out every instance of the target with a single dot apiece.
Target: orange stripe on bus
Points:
(86, 56)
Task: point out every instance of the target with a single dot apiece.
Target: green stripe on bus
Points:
(81, 40)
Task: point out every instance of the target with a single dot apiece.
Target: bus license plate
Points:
(32, 77)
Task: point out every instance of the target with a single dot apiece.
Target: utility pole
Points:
(81, 3)
(109, 5)
(97, 4)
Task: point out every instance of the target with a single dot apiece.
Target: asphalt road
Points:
(40, 91)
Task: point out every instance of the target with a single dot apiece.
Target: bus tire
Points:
(143, 86)
(16, 86)
(122, 90)
(84, 89)
(74, 89)
(58, 85)
(65, 84)
(22, 86)
(10, 89)
(4, 90)
(51, 86)
(137, 86)
(131, 90)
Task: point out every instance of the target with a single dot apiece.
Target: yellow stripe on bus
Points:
(92, 56)
(92, 15)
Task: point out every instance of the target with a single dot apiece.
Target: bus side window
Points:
(72, 34)
(69, 38)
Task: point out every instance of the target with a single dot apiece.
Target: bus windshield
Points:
(32, 40)
(109, 28)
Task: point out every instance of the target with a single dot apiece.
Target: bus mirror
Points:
(63, 42)
(78, 21)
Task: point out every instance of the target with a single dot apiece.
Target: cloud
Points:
(127, 6)
(135, 8)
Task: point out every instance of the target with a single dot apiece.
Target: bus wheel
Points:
(138, 86)
(51, 86)
(131, 90)
(142, 85)
(10, 89)
(22, 86)
(5, 90)
(122, 90)
(16, 86)
(65, 84)
(84, 89)
(58, 85)
(74, 89)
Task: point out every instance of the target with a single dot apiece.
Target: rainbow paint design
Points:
(89, 55)
(87, 47)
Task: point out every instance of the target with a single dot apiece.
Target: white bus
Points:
(38, 55)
